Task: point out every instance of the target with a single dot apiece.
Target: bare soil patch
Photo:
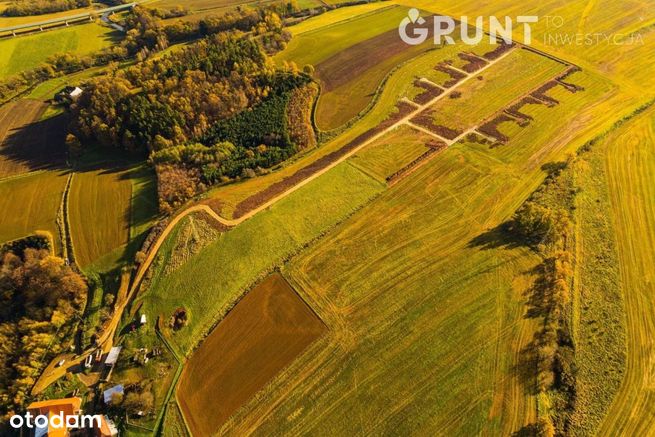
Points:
(426, 119)
(261, 336)
(473, 62)
(455, 76)
(498, 51)
(429, 92)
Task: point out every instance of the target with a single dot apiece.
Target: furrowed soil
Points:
(264, 332)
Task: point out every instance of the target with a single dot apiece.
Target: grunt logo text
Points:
(414, 29)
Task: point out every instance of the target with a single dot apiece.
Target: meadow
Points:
(219, 274)
(264, 332)
(111, 203)
(99, 212)
(29, 51)
(628, 161)
(393, 151)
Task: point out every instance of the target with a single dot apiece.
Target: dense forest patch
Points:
(41, 300)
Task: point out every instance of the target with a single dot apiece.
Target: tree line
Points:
(210, 112)
(41, 300)
(146, 35)
(20, 8)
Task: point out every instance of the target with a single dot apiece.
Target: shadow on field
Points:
(496, 238)
(526, 367)
(38, 145)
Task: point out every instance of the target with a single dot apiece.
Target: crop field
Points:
(512, 77)
(99, 212)
(29, 51)
(35, 200)
(629, 163)
(467, 332)
(27, 144)
(224, 269)
(110, 204)
(264, 332)
(392, 152)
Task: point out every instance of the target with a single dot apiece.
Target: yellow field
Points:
(30, 203)
(392, 152)
(630, 169)
(99, 213)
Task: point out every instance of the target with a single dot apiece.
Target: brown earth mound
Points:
(429, 93)
(455, 76)
(425, 119)
(473, 62)
(540, 93)
(498, 51)
(490, 128)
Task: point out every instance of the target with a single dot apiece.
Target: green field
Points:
(392, 152)
(35, 200)
(422, 288)
(111, 203)
(512, 77)
(25, 52)
(221, 272)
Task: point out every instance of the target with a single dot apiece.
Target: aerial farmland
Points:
(327, 218)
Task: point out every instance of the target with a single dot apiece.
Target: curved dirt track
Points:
(107, 337)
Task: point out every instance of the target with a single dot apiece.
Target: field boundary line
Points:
(26, 174)
(349, 19)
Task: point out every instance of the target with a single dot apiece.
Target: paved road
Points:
(69, 18)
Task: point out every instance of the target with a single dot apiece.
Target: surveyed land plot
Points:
(516, 75)
(264, 332)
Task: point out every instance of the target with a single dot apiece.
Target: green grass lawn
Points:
(210, 283)
(25, 52)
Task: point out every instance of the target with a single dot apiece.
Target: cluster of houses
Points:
(102, 426)
(70, 407)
